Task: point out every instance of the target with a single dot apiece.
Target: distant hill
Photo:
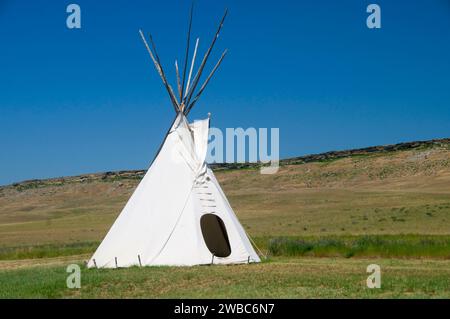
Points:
(397, 189)
(331, 155)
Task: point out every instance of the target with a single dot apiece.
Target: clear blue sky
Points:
(79, 101)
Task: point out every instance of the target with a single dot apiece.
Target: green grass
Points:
(276, 278)
(394, 246)
(47, 251)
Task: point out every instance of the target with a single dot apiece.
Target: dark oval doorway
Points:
(215, 235)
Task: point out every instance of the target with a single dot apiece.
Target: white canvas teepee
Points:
(178, 214)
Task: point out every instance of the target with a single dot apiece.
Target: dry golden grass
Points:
(405, 192)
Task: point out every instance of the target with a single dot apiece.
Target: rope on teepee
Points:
(256, 246)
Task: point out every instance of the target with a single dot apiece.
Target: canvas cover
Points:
(161, 223)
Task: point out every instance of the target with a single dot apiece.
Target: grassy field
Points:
(280, 277)
(322, 222)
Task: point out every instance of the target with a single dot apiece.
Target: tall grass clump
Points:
(47, 251)
(289, 247)
(408, 246)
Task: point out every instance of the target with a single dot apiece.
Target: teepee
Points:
(178, 214)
